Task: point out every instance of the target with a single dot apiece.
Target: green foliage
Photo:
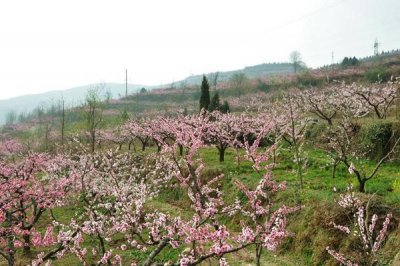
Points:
(215, 103)
(348, 61)
(225, 108)
(376, 138)
(316, 131)
(123, 116)
(165, 255)
(396, 186)
(205, 94)
(263, 86)
(377, 75)
(306, 79)
(93, 97)
(256, 71)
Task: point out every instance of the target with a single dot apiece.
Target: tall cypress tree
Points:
(205, 94)
(215, 103)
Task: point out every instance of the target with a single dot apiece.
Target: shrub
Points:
(377, 75)
(316, 131)
(263, 86)
(308, 80)
(378, 138)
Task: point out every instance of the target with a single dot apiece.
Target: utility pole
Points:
(333, 58)
(126, 82)
(62, 121)
(398, 103)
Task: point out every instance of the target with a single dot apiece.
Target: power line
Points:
(312, 13)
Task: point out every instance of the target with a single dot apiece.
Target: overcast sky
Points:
(53, 45)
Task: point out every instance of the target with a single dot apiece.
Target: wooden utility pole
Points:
(62, 121)
(398, 103)
(126, 82)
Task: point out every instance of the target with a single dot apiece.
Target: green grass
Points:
(310, 227)
(318, 181)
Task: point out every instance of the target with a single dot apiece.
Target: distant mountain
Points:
(73, 97)
(257, 71)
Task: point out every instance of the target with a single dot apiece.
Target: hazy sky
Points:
(51, 45)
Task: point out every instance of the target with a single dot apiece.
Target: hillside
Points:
(176, 98)
(186, 93)
(256, 71)
(135, 163)
(72, 97)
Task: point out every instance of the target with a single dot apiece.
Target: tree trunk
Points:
(180, 150)
(10, 261)
(237, 158)
(221, 151)
(258, 254)
(129, 145)
(93, 144)
(163, 243)
(361, 181)
(335, 164)
(361, 185)
(10, 242)
(221, 155)
(299, 166)
(143, 146)
(274, 158)
(334, 171)
(46, 137)
(27, 244)
(398, 107)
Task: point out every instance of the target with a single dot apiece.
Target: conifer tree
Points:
(225, 108)
(205, 94)
(215, 103)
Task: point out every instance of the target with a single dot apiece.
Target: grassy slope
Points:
(312, 232)
(310, 227)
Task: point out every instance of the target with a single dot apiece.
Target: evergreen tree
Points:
(205, 94)
(215, 103)
(354, 61)
(225, 108)
(345, 62)
(348, 61)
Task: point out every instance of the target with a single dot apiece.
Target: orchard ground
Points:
(310, 227)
